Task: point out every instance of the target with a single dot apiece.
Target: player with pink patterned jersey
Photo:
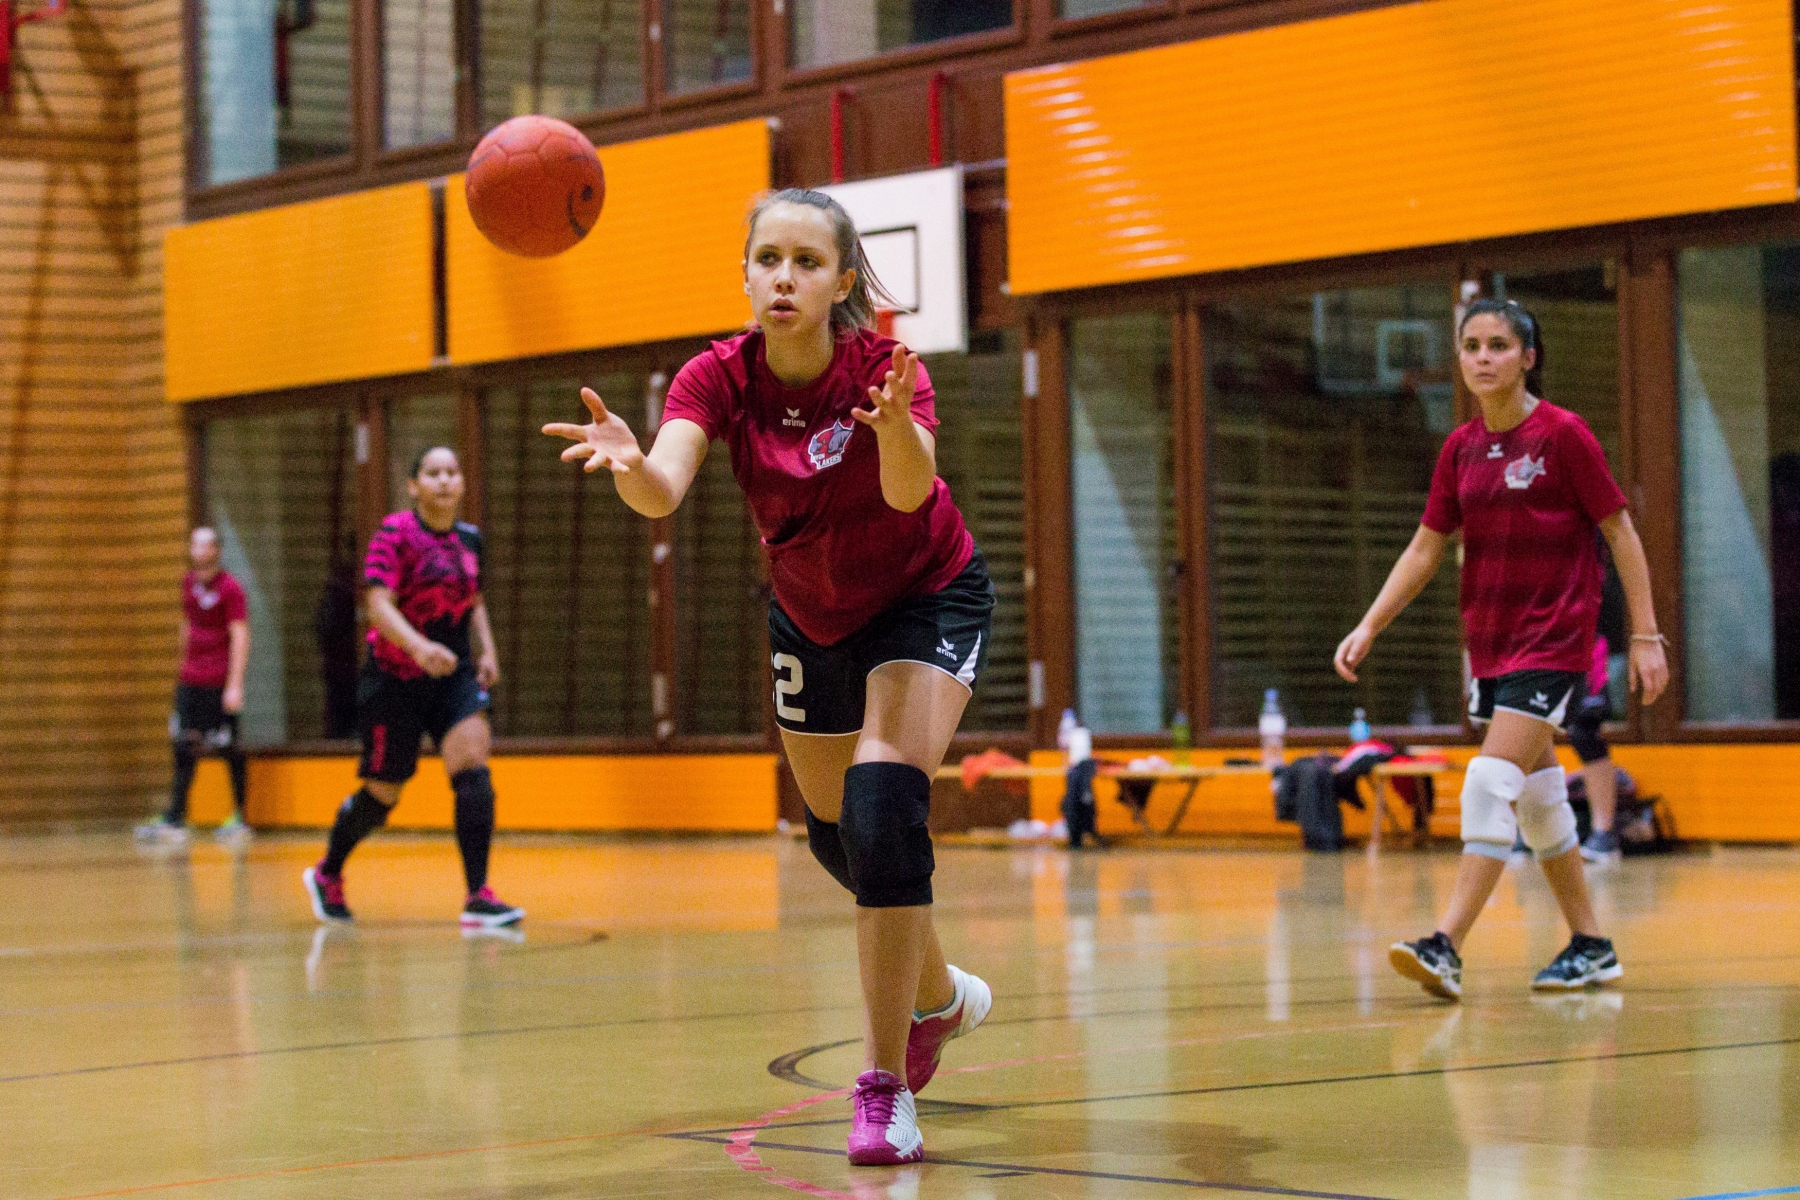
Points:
(431, 663)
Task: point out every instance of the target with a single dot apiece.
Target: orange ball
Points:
(534, 186)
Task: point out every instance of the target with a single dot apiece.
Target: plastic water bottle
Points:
(1065, 727)
(1181, 734)
(1359, 727)
(1272, 725)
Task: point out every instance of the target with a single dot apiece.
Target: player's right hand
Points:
(435, 659)
(1352, 650)
(606, 442)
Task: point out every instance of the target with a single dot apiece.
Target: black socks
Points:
(358, 817)
(186, 762)
(474, 823)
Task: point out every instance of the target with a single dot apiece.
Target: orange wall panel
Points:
(302, 294)
(724, 793)
(664, 260)
(1412, 125)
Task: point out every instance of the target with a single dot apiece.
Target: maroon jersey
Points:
(838, 554)
(209, 607)
(436, 580)
(1528, 502)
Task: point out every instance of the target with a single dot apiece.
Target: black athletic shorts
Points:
(395, 713)
(820, 689)
(200, 718)
(1550, 696)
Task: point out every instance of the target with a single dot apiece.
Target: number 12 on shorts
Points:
(788, 685)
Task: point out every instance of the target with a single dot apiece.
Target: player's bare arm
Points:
(651, 484)
(435, 659)
(233, 700)
(908, 451)
(1649, 663)
(487, 658)
(1415, 567)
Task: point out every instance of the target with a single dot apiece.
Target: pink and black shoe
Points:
(327, 895)
(925, 1044)
(484, 910)
(885, 1130)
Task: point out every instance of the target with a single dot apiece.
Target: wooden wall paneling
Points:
(471, 442)
(366, 133)
(91, 548)
(1049, 527)
(372, 499)
(1654, 404)
(661, 600)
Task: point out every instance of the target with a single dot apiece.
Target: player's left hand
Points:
(1649, 670)
(487, 670)
(233, 701)
(890, 405)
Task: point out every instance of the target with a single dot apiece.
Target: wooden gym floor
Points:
(679, 1017)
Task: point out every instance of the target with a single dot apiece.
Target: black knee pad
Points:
(826, 841)
(884, 833)
(1584, 736)
(474, 790)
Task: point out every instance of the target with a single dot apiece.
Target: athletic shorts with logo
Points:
(1550, 696)
(396, 713)
(821, 689)
(200, 718)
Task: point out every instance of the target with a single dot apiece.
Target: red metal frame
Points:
(10, 22)
(934, 105)
(839, 97)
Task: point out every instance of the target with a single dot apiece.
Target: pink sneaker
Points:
(326, 893)
(925, 1044)
(885, 1132)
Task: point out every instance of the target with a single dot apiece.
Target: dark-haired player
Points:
(1527, 484)
(431, 662)
(879, 622)
(209, 693)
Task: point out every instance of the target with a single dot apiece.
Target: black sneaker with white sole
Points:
(484, 910)
(1432, 962)
(1585, 962)
(327, 895)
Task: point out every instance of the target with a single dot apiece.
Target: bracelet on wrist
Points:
(1658, 638)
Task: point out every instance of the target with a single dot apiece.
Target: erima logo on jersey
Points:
(1521, 471)
(827, 446)
(204, 598)
(1494, 451)
(793, 419)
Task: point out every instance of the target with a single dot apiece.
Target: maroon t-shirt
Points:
(1528, 502)
(435, 576)
(209, 608)
(838, 554)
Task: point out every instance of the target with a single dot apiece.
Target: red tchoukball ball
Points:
(534, 186)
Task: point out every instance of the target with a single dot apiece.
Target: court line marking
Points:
(1055, 1101)
(1778, 1191)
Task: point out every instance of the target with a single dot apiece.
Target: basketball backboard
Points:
(912, 231)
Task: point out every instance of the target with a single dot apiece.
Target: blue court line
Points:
(1780, 1191)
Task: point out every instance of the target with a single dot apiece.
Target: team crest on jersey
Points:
(1521, 471)
(204, 598)
(827, 446)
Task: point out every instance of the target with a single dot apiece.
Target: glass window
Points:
(706, 43)
(1578, 316)
(835, 31)
(1076, 9)
(1128, 643)
(1740, 468)
(415, 425)
(981, 455)
(1325, 414)
(721, 607)
(560, 57)
(275, 85)
(281, 491)
(568, 574)
(418, 67)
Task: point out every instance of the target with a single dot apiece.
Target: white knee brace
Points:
(1490, 789)
(1545, 819)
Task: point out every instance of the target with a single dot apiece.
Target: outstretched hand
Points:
(607, 441)
(890, 405)
(1352, 650)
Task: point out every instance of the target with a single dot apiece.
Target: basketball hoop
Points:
(11, 20)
